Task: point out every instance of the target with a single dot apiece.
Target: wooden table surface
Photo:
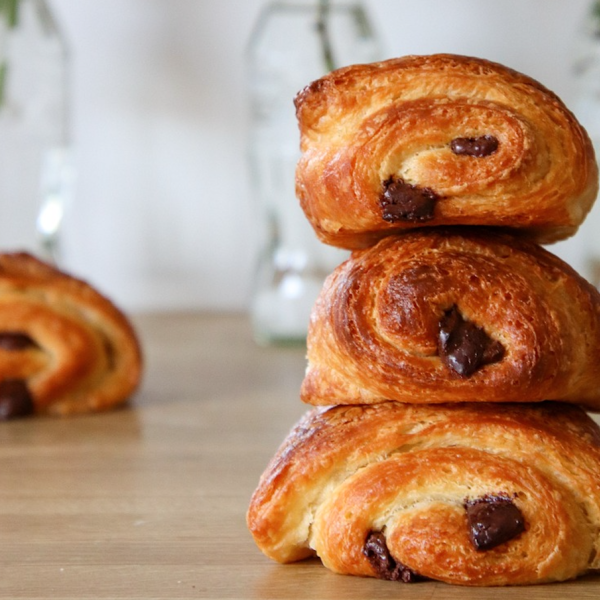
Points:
(149, 502)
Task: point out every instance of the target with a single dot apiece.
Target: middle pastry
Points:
(454, 315)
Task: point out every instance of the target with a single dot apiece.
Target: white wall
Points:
(163, 217)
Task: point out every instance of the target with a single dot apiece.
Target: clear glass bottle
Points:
(293, 43)
(35, 163)
(586, 71)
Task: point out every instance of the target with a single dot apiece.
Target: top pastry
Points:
(439, 140)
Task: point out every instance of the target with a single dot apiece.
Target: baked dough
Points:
(421, 129)
(409, 473)
(454, 315)
(64, 348)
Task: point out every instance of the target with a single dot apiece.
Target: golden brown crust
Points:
(407, 471)
(375, 328)
(85, 355)
(361, 125)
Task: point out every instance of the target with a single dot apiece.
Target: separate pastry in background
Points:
(469, 494)
(454, 315)
(64, 348)
(439, 140)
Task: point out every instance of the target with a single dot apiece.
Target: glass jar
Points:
(35, 165)
(586, 106)
(293, 43)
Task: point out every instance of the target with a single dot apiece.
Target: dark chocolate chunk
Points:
(15, 340)
(15, 399)
(377, 553)
(479, 147)
(464, 347)
(493, 520)
(401, 201)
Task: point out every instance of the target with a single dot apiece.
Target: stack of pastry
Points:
(451, 358)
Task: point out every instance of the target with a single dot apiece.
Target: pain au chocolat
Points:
(439, 140)
(64, 348)
(454, 315)
(468, 494)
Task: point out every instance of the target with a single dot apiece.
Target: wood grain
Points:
(149, 502)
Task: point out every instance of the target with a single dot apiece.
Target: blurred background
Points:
(163, 216)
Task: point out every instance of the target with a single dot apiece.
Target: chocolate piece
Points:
(464, 347)
(15, 340)
(479, 147)
(401, 201)
(15, 399)
(377, 553)
(493, 520)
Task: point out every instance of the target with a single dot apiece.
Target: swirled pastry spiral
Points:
(64, 348)
(470, 494)
(454, 315)
(439, 140)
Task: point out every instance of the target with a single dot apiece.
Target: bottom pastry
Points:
(469, 494)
